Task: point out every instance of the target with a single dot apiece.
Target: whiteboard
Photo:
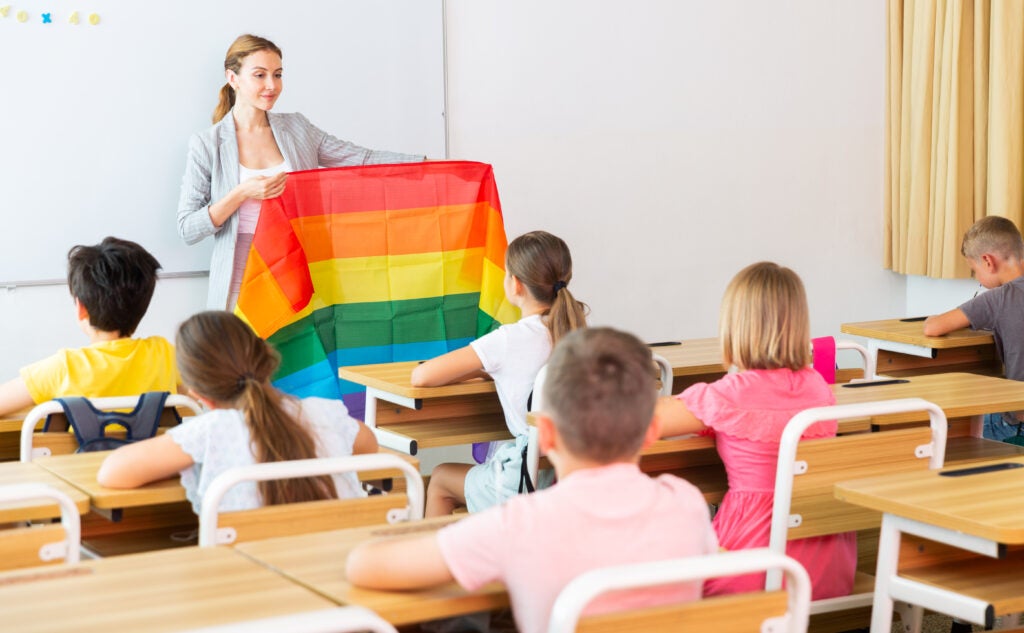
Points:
(95, 119)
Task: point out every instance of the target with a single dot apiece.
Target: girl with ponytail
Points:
(538, 269)
(245, 159)
(228, 368)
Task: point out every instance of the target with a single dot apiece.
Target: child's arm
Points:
(398, 563)
(675, 418)
(455, 366)
(944, 323)
(14, 396)
(365, 442)
(138, 464)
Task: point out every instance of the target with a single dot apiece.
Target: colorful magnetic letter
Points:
(47, 19)
(74, 18)
(22, 16)
(94, 19)
(4, 11)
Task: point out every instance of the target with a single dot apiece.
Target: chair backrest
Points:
(664, 377)
(337, 620)
(807, 471)
(22, 547)
(775, 611)
(824, 357)
(216, 528)
(40, 444)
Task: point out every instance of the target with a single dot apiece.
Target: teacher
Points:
(244, 158)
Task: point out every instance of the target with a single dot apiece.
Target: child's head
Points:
(113, 281)
(994, 250)
(764, 322)
(600, 392)
(222, 361)
(541, 262)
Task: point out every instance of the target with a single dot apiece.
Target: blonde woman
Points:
(244, 159)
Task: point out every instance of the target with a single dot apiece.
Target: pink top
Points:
(747, 413)
(610, 515)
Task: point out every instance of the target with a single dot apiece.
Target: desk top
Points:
(169, 590)
(79, 470)
(912, 333)
(688, 358)
(318, 562)
(958, 394)
(396, 378)
(986, 505)
(19, 473)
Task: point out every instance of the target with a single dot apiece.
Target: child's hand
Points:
(264, 187)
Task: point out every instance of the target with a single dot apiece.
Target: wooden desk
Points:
(317, 561)
(80, 471)
(19, 473)
(158, 591)
(902, 349)
(408, 418)
(426, 417)
(693, 361)
(960, 395)
(979, 513)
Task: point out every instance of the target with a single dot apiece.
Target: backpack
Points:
(90, 424)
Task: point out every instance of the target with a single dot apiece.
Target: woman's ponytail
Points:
(225, 101)
(565, 315)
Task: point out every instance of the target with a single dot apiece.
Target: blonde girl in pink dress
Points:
(764, 329)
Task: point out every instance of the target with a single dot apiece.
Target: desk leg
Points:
(888, 563)
(370, 414)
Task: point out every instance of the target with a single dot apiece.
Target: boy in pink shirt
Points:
(599, 397)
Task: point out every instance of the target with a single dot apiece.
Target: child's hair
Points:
(600, 391)
(114, 281)
(993, 234)
(241, 48)
(220, 358)
(542, 263)
(764, 322)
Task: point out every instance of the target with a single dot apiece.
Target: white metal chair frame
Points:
(788, 467)
(584, 588)
(532, 448)
(68, 549)
(337, 620)
(870, 362)
(40, 411)
(210, 535)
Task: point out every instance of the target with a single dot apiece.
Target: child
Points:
(995, 252)
(599, 395)
(538, 268)
(111, 284)
(764, 329)
(228, 368)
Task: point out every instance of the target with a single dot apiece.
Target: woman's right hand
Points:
(255, 188)
(264, 187)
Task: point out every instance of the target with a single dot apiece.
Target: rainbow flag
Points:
(375, 264)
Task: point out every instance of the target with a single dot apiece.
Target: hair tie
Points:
(243, 379)
(558, 286)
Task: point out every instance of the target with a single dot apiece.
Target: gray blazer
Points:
(211, 172)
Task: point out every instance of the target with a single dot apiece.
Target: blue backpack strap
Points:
(89, 424)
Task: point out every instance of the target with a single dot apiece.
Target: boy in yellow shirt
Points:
(112, 284)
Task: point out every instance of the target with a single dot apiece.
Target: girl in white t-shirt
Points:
(228, 368)
(538, 268)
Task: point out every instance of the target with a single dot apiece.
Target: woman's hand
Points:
(264, 187)
(256, 188)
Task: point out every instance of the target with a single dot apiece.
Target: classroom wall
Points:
(670, 144)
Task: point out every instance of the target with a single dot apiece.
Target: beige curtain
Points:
(954, 127)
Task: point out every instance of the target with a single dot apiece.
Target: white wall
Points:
(673, 142)
(670, 142)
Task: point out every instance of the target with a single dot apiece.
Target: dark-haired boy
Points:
(599, 399)
(111, 284)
